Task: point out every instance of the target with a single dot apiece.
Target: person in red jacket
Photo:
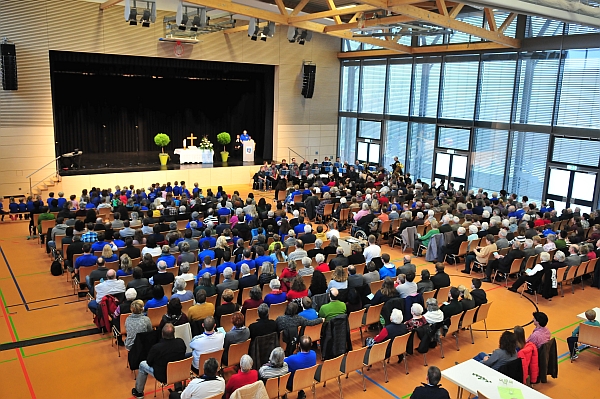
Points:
(245, 376)
(298, 289)
(528, 353)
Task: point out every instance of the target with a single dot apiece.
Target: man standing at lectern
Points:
(245, 136)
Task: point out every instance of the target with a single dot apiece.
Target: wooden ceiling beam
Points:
(441, 6)
(381, 4)
(446, 22)
(446, 48)
(332, 7)
(281, 7)
(109, 3)
(490, 19)
(511, 17)
(369, 23)
(236, 8)
(299, 8)
(332, 13)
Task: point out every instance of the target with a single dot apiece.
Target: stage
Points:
(122, 162)
(144, 169)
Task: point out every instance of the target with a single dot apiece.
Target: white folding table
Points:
(473, 376)
(582, 315)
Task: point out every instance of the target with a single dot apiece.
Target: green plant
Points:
(224, 138)
(162, 140)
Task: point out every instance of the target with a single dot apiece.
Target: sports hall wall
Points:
(37, 26)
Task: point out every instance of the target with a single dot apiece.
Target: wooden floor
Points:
(36, 304)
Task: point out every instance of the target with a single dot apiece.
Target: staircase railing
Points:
(291, 150)
(55, 173)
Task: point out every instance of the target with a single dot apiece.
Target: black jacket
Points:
(262, 327)
(339, 260)
(479, 296)
(167, 350)
(132, 251)
(430, 392)
(440, 280)
(163, 278)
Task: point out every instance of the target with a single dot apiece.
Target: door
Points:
(571, 189)
(368, 143)
(451, 167)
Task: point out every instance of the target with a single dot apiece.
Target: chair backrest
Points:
(178, 371)
(194, 267)
(168, 288)
(373, 313)
(570, 275)
(589, 335)
(515, 266)
(126, 279)
(304, 378)
(560, 274)
(582, 269)
(189, 285)
(427, 295)
(530, 262)
(251, 315)
(462, 250)
(375, 286)
(354, 360)
(276, 386)
(454, 322)
(307, 279)
(173, 270)
(156, 314)
(85, 271)
(355, 319)
(245, 294)
(184, 331)
(468, 317)
(314, 332)
(328, 275)
(376, 354)
(513, 369)
(186, 305)
(236, 351)
(331, 368)
(276, 310)
(442, 294)
(482, 311)
(226, 322)
(212, 299)
(218, 355)
(399, 345)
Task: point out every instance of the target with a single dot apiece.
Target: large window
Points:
(496, 91)
(528, 164)
(455, 139)
(349, 83)
(369, 130)
(426, 86)
(347, 140)
(489, 159)
(422, 143)
(460, 86)
(576, 152)
(396, 144)
(579, 100)
(400, 76)
(372, 88)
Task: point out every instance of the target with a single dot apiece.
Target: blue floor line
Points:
(380, 386)
(14, 280)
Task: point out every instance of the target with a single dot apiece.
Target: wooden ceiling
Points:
(362, 14)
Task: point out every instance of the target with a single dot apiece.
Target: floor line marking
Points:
(379, 385)
(14, 279)
(14, 339)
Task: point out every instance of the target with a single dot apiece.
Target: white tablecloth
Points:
(194, 155)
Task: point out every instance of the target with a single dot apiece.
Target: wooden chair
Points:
(173, 270)
(218, 355)
(442, 294)
(329, 257)
(328, 275)
(186, 305)
(84, 271)
(515, 268)
(307, 279)
(355, 321)
(314, 332)
(122, 331)
(276, 310)
(353, 360)
(591, 268)
(168, 288)
(462, 252)
(581, 271)
(360, 268)
(304, 378)
(399, 348)
(375, 286)
(427, 295)
(266, 289)
(377, 354)
(236, 351)
(135, 262)
(194, 267)
(560, 276)
(156, 314)
(588, 335)
(571, 274)
(276, 386)
(126, 279)
(329, 370)
(176, 372)
(226, 322)
(245, 294)
(251, 315)
(112, 265)
(452, 330)
(482, 314)
(467, 320)
(372, 316)
(212, 299)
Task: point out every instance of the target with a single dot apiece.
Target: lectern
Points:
(249, 150)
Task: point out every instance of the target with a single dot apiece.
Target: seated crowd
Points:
(229, 244)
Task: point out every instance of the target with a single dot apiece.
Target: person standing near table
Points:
(432, 389)
(245, 136)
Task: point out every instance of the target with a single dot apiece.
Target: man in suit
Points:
(339, 260)
(453, 247)
(246, 279)
(355, 280)
(502, 263)
(130, 250)
(162, 277)
(308, 237)
(228, 281)
(528, 249)
(441, 278)
(317, 249)
(263, 325)
(454, 306)
(222, 225)
(573, 259)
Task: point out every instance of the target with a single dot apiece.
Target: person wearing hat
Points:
(541, 334)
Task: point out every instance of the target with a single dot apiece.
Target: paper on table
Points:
(505, 393)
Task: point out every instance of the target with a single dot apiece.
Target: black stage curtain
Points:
(108, 103)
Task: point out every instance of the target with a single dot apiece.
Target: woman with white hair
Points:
(275, 367)
(389, 332)
(417, 319)
(245, 376)
(433, 314)
(179, 290)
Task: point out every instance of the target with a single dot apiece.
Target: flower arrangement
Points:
(205, 144)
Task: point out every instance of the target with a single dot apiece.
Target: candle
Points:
(184, 144)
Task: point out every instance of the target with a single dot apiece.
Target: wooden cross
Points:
(192, 138)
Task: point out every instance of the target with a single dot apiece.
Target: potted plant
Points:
(224, 138)
(162, 140)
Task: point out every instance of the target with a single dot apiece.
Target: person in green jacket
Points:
(424, 240)
(334, 307)
(590, 315)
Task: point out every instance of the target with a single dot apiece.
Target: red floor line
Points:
(21, 362)
(495, 288)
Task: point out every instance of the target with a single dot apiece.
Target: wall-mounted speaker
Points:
(8, 66)
(308, 81)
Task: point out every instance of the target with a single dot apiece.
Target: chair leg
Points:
(486, 331)
(385, 371)
(362, 372)
(441, 347)
(471, 330)
(425, 359)
(456, 336)
(340, 386)
(405, 364)
(155, 388)
(314, 391)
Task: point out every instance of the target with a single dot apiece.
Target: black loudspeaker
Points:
(308, 82)
(8, 66)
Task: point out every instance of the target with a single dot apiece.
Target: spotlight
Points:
(195, 23)
(255, 34)
(302, 37)
(184, 22)
(146, 18)
(265, 33)
(133, 16)
(292, 34)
